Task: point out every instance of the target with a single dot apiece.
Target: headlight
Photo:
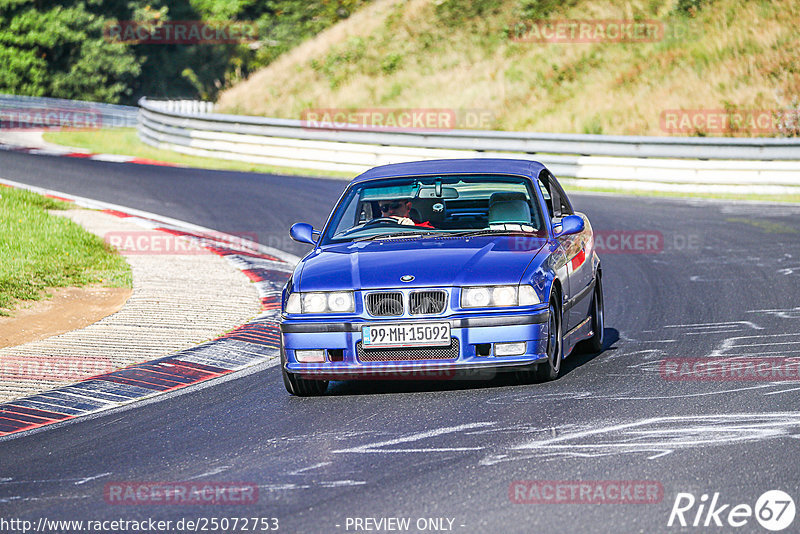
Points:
(528, 296)
(498, 296)
(320, 302)
(504, 296)
(293, 303)
(476, 297)
(314, 302)
(341, 301)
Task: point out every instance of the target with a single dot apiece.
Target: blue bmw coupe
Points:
(442, 269)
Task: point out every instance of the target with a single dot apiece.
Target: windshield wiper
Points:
(396, 234)
(485, 231)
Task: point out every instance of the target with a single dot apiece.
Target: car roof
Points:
(520, 167)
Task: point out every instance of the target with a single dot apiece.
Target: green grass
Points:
(39, 251)
(463, 55)
(125, 141)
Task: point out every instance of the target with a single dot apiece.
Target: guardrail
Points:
(28, 112)
(742, 165)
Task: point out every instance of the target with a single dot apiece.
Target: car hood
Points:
(443, 261)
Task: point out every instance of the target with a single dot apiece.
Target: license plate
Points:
(405, 335)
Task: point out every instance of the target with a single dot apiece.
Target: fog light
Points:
(310, 356)
(510, 349)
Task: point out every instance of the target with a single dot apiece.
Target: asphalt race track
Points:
(722, 281)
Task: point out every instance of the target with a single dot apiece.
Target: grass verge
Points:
(40, 251)
(125, 142)
(480, 60)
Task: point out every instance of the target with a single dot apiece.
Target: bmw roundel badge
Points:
(406, 278)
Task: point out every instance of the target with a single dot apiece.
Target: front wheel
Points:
(302, 387)
(550, 369)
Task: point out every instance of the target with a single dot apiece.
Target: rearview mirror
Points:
(571, 224)
(303, 233)
(430, 192)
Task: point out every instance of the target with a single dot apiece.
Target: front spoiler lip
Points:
(309, 327)
(388, 368)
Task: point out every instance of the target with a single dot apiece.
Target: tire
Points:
(301, 387)
(595, 343)
(550, 369)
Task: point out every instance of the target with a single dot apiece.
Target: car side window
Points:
(365, 213)
(556, 200)
(350, 214)
(544, 186)
(565, 208)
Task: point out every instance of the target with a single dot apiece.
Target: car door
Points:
(576, 250)
(558, 251)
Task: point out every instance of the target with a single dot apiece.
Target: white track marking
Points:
(782, 391)
(283, 487)
(768, 344)
(89, 479)
(309, 468)
(726, 324)
(342, 483)
(711, 332)
(215, 471)
(685, 395)
(375, 447)
(785, 313)
(730, 343)
(659, 436)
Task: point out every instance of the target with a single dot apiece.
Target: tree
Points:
(60, 52)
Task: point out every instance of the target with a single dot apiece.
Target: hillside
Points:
(461, 55)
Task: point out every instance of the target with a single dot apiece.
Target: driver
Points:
(400, 209)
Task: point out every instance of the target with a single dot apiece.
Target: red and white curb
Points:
(253, 343)
(67, 153)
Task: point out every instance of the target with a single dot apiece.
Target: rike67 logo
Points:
(774, 510)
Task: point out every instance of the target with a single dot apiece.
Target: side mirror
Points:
(571, 224)
(303, 233)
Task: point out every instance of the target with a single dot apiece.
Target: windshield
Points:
(454, 205)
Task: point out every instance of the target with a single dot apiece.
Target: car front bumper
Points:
(474, 334)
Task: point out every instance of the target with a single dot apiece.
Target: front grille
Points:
(426, 302)
(387, 304)
(408, 353)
